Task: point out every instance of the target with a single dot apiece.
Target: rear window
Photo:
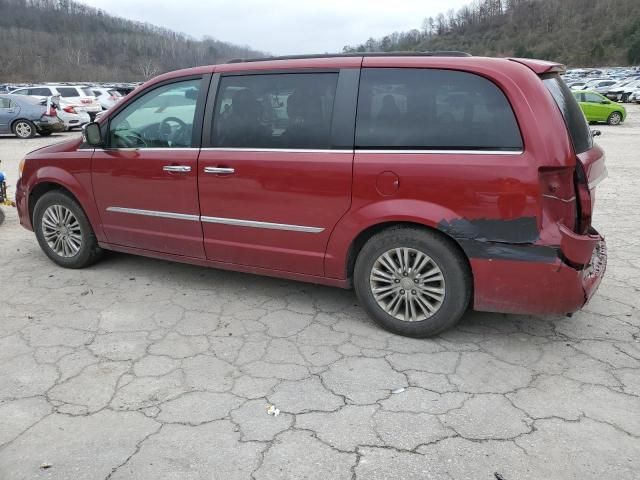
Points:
(430, 109)
(573, 117)
(68, 92)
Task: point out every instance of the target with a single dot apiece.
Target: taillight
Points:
(558, 195)
(69, 109)
(583, 194)
(51, 111)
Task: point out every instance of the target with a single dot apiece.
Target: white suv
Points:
(81, 98)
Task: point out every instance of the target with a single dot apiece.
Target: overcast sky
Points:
(282, 26)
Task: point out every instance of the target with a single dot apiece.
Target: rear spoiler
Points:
(541, 66)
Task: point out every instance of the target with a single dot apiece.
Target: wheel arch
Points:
(361, 239)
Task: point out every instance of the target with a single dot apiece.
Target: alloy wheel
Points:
(407, 284)
(61, 231)
(23, 129)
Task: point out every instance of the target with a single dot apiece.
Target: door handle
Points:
(219, 170)
(176, 168)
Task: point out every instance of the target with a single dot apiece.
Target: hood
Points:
(65, 146)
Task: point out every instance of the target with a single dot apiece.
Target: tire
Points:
(79, 233)
(45, 134)
(24, 129)
(452, 276)
(615, 118)
(625, 98)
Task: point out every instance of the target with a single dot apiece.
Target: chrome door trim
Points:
(278, 150)
(219, 170)
(442, 152)
(255, 224)
(177, 168)
(220, 220)
(154, 213)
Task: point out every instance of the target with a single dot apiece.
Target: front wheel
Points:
(412, 282)
(24, 129)
(615, 118)
(64, 232)
(45, 133)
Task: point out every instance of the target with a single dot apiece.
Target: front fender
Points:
(77, 183)
(368, 216)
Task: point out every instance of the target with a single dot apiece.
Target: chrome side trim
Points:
(443, 152)
(280, 150)
(594, 183)
(268, 225)
(224, 221)
(154, 213)
(181, 149)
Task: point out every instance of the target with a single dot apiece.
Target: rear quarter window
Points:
(68, 92)
(574, 119)
(430, 109)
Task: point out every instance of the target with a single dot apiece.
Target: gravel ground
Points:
(144, 369)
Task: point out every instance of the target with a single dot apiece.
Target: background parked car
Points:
(622, 94)
(107, 97)
(72, 117)
(598, 108)
(25, 116)
(80, 97)
(601, 86)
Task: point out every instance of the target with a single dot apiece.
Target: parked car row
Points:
(75, 105)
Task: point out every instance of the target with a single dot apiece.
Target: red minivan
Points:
(431, 183)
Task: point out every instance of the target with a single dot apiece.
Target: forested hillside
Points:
(57, 40)
(575, 32)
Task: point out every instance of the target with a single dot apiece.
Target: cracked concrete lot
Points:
(144, 369)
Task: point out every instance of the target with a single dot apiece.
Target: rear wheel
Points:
(24, 129)
(625, 97)
(412, 282)
(615, 118)
(64, 232)
(45, 134)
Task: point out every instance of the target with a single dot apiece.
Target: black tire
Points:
(615, 118)
(447, 257)
(89, 251)
(625, 98)
(24, 129)
(45, 134)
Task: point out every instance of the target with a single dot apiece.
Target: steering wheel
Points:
(127, 137)
(166, 131)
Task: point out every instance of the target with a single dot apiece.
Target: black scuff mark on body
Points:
(500, 239)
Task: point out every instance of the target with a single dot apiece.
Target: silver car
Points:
(27, 116)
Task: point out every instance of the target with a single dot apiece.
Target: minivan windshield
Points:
(571, 111)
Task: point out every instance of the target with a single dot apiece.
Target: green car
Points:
(598, 108)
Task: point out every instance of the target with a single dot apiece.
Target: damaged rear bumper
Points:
(561, 286)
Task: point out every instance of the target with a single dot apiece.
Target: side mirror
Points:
(596, 133)
(605, 102)
(92, 134)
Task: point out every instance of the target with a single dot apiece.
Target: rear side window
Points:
(571, 111)
(86, 91)
(40, 91)
(429, 109)
(68, 92)
(275, 111)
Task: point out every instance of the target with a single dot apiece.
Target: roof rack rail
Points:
(355, 54)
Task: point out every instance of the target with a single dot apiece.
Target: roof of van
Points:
(357, 60)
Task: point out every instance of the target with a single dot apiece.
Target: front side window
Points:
(428, 109)
(22, 91)
(593, 98)
(161, 118)
(275, 111)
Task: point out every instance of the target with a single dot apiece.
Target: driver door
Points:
(145, 179)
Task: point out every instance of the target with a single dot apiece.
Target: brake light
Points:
(51, 111)
(69, 109)
(585, 210)
(559, 195)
